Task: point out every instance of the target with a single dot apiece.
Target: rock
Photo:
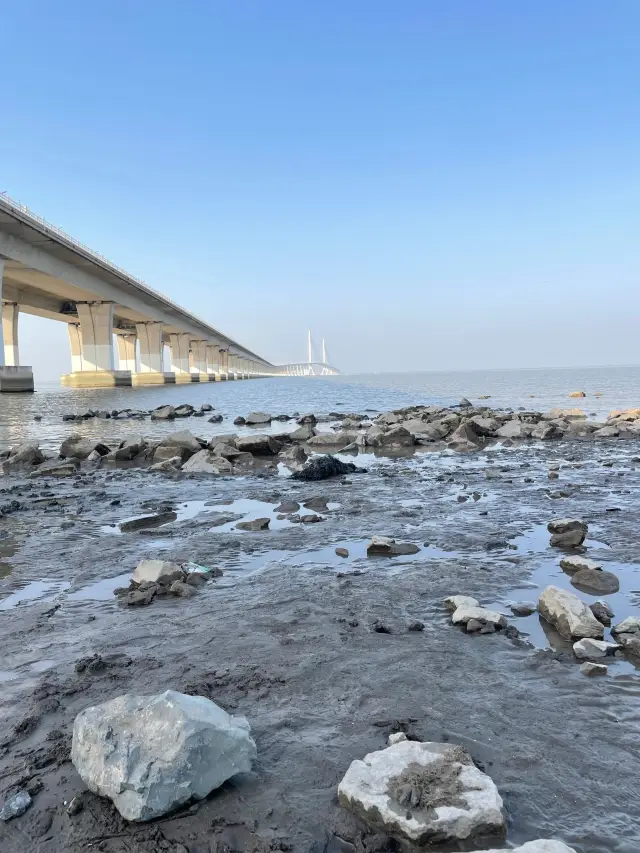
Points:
(157, 571)
(206, 462)
(337, 440)
(589, 668)
(22, 458)
(577, 394)
(151, 754)
(342, 552)
(15, 805)
(154, 520)
(75, 806)
(258, 418)
(293, 457)
(588, 649)
(259, 445)
(182, 589)
(465, 613)
(396, 737)
(465, 404)
(216, 419)
(523, 608)
(303, 433)
(385, 547)
(239, 421)
(567, 532)
(319, 504)
(484, 426)
(77, 447)
(424, 792)
(596, 581)
(416, 626)
(323, 467)
(569, 614)
(287, 507)
(163, 413)
(602, 612)
(174, 463)
(575, 564)
(514, 429)
(183, 441)
(454, 601)
(388, 418)
(546, 431)
(184, 411)
(196, 579)
(206, 407)
(630, 625)
(464, 438)
(309, 418)
(566, 414)
(254, 524)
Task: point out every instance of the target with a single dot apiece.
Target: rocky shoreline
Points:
(393, 626)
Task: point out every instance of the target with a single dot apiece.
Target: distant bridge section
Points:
(308, 368)
(118, 326)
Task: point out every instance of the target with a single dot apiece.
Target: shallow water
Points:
(537, 389)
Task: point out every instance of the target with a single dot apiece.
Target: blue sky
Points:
(426, 183)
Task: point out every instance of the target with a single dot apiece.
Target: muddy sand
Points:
(315, 649)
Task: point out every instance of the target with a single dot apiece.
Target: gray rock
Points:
(293, 457)
(569, 614)
(602, 612)
(154, 520)
(22, 458)
(303, 433)
(15, 805)
(151, 754)
(183, 441)
(588, 649)
(589, 668)
(77, 447)
(571, 565)
(309, 418)
(323, 467)
(630, 625)
(337, 440)
(595, 581)
(55, 468)
(484, 426)
(466, 613)
(206, 462)
(173, 463)
(567, 532)
(514, 429)
(216, 419)
(523, 608)
(157, 571)
(464, 438)
(259, 445)
(184, 411)
(163, 413)
(425, 793)
(454, 601)
(182, 589)
(258, 418)
(254, 524)
(386, 547)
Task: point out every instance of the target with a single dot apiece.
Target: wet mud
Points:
(291, 637)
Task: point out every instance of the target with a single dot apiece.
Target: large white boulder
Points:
(151, 754)
(570, 616)
(466, 612)
(424, 792)
(588, 649)
(157, 571)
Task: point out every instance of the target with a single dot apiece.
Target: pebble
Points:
(75, 806)
(15, 805)
(342, 552)
(416, 626)
(589, 668)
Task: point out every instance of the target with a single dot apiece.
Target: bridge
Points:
(118, 326)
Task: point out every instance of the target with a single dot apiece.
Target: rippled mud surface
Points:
(288, 637)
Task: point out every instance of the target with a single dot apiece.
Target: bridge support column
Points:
(13, 376)
(224, 365)
(231, 366)
(92, 358)
(151, 356)
(126, 350)
(179, 347)
(199, 361)
(213, 362)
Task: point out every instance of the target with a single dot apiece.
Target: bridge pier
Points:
(199, 361)
(92, 357)
(151, 356)
(179, 348)
(13, 375)
(213, 362)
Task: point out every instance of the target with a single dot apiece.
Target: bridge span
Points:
(44, 271)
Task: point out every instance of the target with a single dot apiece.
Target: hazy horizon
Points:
(440, 186)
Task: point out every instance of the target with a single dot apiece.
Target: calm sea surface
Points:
(541, 389)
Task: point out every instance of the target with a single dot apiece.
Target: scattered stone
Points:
(567, 532)
(523, 608)
(174, 463)
(259, 445)
(424, 792)
(155, 520)
(383, 546)
(336, 440)
(307, 419)
(416, 626)
(596, 581)
(287, 507)
(577, 394)
(630, 625)
(323, 467)
(464, 614)
(22, 458)
(575, 564)
(454, 601)
(78, 447)
(15, 805)
(184, 411)
(342, 552)
(122, 751)
(239, 421)
(157, 571)
(75, 806)
(588, 649)
(258, 418)
(569, 614)
(602, 612)
(138, 597)
(254, 524)
(396, 737)
(163, 413)
(182, 589)
(311, 518)
(183, 441)
(303, 433)
(589, 668)
(206, 462)
(196, 579)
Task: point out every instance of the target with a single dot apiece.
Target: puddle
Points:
(32, 592)
(537, 541)
(251, 509)
(102, 590)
